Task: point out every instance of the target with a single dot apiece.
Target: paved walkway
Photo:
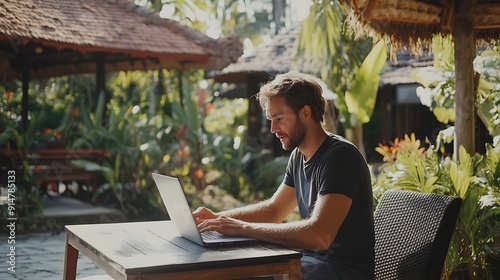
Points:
(41, 255)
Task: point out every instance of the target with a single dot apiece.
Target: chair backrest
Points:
(412, 234)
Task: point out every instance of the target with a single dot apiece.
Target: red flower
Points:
(198, 174)
(209, 108)
(76, 112)
(9, 95)
(202, 95)
(39, 169)
(183, 130)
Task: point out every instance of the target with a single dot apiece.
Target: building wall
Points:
(398, 111)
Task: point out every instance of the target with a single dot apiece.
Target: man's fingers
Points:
(206, 225)
(199, 212)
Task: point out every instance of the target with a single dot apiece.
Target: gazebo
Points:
(254, 69)
(48, 38)
(408, 22)
(251, 70)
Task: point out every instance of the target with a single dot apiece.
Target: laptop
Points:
(180, 214)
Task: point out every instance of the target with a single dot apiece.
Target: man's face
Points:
(285, 124)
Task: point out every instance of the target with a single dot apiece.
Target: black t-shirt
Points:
(338, 167)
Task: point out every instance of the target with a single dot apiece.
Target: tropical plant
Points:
(92, 134)
(405, 145)
(18, 142)
(470, 178)
(249, 19)
(438, 85)
(175, 141)
(487, 65)
(202, 156)
(49, 117)
(133, 141)
(349, 66)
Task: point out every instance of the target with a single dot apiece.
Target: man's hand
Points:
(222, 224)
(202, 213)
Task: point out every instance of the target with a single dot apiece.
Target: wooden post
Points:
(181, 87)
(465, 52)
(100, 74)
(254, 111)
(25, 97)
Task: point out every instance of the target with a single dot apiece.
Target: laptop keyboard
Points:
(211, 235)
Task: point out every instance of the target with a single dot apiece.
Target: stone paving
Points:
(41, 256)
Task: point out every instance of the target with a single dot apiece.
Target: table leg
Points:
(70, 261)
(295, 270)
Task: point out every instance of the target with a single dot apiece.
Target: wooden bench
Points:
(54, 165)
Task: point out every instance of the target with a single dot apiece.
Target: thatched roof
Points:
(60, 37)
(399, 71)
(398, 76)
(278, 56)
(265, 61)
(408, 22)
(411, 20)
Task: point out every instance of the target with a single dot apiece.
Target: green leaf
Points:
(66, 119)
(11, 133)
(444, 55)
(361, 97)
(428, 187)
(484, 113)
(116, 176)
(484, 87)
(470, 204)
(92, 166)
(85, 115)
(99, 111)
(444, 115)
(488, 64)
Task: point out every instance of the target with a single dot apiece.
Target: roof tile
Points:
(112, 26)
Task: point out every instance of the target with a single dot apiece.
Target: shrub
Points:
(475, 179)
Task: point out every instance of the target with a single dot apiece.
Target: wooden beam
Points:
(447, 15)
(414, 12)
(368, 10)
(486, 16)
(465, 52)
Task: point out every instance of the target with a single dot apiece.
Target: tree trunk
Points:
(330, 121)
(355, 135)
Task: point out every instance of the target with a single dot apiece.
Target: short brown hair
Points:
(298, 89)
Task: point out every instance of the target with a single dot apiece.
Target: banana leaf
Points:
(361, 97)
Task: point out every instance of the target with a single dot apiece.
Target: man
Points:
(326, 178)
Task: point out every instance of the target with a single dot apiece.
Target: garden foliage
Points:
(475, 179)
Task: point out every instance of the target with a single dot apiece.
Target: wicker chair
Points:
(412, 234)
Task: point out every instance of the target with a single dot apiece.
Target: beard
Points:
(295, 137)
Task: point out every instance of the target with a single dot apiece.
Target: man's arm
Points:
(272, 210)
(317, 232)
